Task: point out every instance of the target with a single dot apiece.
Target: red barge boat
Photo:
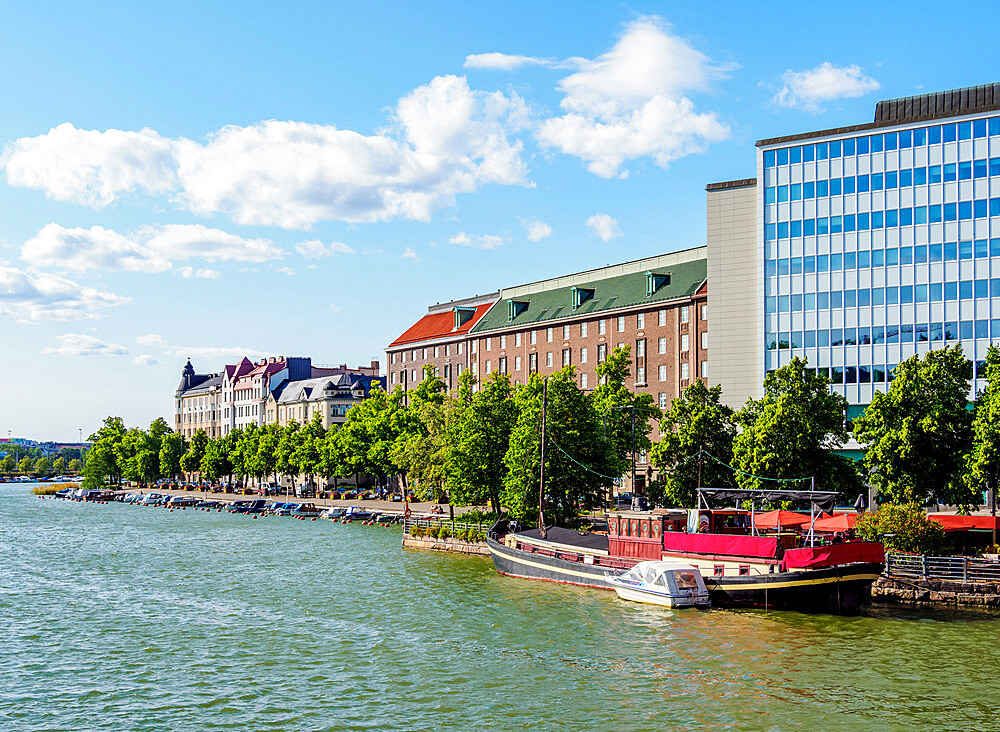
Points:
(740, 569)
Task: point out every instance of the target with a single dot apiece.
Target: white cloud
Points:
(444, 139)
(487, 241)
(604, 226)
(145, 360)
(284, 270)
(151, 339)
(630, 102)
(43, 296)
(807, 90)
(149, 249)
(90, 167)
(79, 344)
(409, 253)
(189, 273)
(502, 61)
(315, 249)
(538, 230)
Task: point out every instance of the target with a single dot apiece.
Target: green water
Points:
(129, 618)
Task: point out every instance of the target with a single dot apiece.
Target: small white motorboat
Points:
(669, 584)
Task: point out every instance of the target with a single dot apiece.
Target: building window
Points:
(533, 337)
(489, 344)
(704, 312)
(704, 340)
(661, 345)
(392, 358)
(548, 335)
(583, 330)
(458, 348)
(640, 361)
(583, 355)
(583, 381)
(662, 372)
(685, 342)
(704, 369)
(640, 321)
(621, 323)
(566, 356)
(414, 355)
(502, 365)
(532, 363)
(565, 332)
(447, 350)
(685, 314)
(517, 363)
(548, 359)
(517, 340)
(602, 326)
(503, 342)
(661, 318)
(602, 352)
(663, 400)
(424, 350)
(489, 366)
(437, 351)
(393, 378)
(685, 371)
(640, 375)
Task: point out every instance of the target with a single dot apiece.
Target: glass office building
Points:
(880, 241)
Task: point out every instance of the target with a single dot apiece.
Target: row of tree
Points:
(477, 446)
(29, 465)
(481, 446)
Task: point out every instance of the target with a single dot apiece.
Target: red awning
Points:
(780, 519)
(838, 522)
(831, 556)
(952, 522)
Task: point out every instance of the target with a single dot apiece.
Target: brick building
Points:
(657, 306)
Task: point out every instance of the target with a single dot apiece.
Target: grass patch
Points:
(50, 489)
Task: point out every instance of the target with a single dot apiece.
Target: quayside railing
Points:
(960, 569)
(453, 526)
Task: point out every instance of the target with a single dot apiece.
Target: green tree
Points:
(190, 461)
(918, 432)
(247, 462)
(285, 454)
(480, 424)
(25, 465)
(42, 466)
(172, 449)
(421, 448)
(7, 465)
(369, 434)
(139, 452)
(306, 453)
(215, 464)
(792, 430)
(982, 465)
(903, 528)
(578, 459)
(696, 423)
(59, 465)
(75, 465)
(621, 411)
(331, 458)
(103, 462)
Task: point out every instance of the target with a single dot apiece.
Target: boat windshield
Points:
(686, 579)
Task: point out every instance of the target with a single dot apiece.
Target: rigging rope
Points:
(751, 475)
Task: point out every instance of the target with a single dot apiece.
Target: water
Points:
(129, 618)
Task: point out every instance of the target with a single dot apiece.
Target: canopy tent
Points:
(818, 502)
(780, 520)
(836, 523)
(953, 522)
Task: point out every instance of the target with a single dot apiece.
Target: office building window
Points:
(601, 327)
(517, 363)
(548, 335)
(583, 381)
(565, 332)
(662, 372)
(436, 351)
(532, 363)
(502, 365)
(489, 344)
(640, 375)
(704, 340)
(685, 370)
(661, 345)
(704, 369)
(423, 353)
(704, 312)
(663, 400)
(458, 348)
(517, 340)
(392, 358)
(640, 361)
(583, 330)
(685, 314)
(661, 318)
(640, 321)
(602, 352)
(533, 337)
(548, 359)
(685, 342)
(621, 323)
(503, 342)
(447, 350)
(583, 355)
(566, 356)
(489, 367)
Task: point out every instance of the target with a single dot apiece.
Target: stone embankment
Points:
(936, 592)
(446, 545)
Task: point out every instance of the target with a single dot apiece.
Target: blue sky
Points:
(206, 179)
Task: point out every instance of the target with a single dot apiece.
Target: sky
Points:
(209, 180)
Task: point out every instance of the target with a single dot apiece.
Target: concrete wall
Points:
(735, 274)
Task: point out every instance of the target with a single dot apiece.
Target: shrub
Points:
(902, 527)
(443, 532)
(417, 531)
(51, 489)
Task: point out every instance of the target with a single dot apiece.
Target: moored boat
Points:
(668, 584)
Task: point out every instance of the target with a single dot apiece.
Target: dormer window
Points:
(462, 316)
(656, 280)
(515, 308)
(581, 295)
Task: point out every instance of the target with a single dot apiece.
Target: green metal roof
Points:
(611, 293)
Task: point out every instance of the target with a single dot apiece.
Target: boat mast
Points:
(541, 468)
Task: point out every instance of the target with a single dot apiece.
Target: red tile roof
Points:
(439, 325)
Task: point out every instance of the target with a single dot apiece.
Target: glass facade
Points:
(882, 245)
